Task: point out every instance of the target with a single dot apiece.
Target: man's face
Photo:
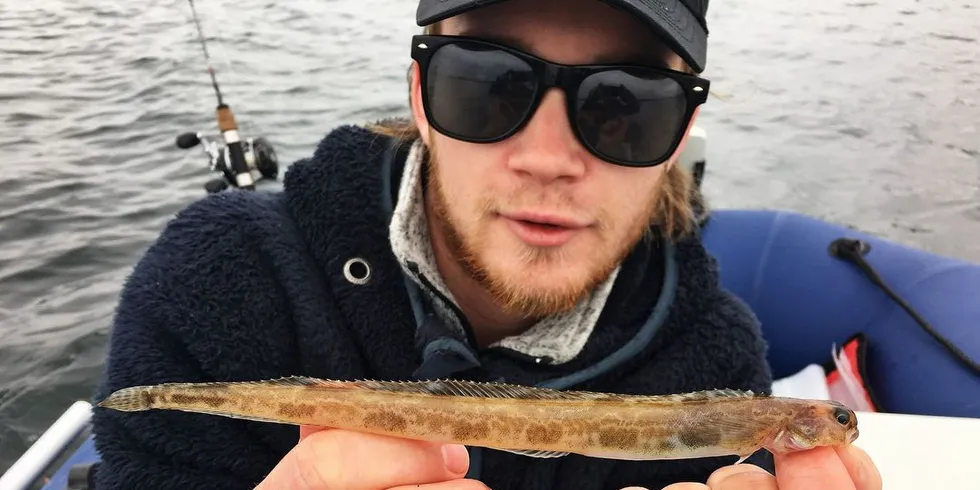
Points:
(487, 202)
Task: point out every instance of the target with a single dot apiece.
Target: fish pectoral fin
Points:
(535, 454)
(742, 459)
(776, 440)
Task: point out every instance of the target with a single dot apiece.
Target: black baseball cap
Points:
(680, 23)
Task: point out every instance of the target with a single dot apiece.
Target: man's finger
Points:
(306, 430)
(814, 469)
(332, 458)
(686, 486)
(741, 477)
(461, 484)
(859, 465)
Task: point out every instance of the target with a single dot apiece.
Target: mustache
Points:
(539, 198)
(536, 196)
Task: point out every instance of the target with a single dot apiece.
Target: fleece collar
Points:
(559, 338)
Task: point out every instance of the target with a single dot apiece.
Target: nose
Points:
(546, 147)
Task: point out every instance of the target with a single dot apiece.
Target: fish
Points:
(526, 420)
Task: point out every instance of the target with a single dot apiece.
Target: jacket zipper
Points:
(467, 328)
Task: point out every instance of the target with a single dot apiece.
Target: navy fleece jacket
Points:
(250, 286)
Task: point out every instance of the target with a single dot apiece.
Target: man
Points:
(524, 233)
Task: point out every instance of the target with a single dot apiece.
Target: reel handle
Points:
(188, 140)
(214, 186)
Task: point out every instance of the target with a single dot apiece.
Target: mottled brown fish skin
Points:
(828, 423)
(618, 427)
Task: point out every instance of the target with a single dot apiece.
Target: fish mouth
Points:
(853, 435)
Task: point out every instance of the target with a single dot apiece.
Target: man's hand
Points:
(332, 458)
(847, 468)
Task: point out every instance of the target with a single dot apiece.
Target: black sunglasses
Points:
(482, 92)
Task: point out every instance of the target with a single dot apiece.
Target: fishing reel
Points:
(258, 153)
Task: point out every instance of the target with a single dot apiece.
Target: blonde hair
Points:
(678, 204)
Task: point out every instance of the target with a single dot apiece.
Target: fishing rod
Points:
(241, 162)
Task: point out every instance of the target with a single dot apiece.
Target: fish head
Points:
(814, 424)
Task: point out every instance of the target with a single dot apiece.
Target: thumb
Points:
(814, 469)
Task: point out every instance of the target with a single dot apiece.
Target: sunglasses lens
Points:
(630, 116)
(478, 93)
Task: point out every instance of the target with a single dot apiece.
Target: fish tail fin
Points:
(133, 399)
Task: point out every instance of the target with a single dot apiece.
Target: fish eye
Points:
(842, 416)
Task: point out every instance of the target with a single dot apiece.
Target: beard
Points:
(581, 275)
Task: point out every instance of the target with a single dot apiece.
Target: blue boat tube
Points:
(808, 300)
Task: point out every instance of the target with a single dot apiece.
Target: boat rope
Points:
(854, 251)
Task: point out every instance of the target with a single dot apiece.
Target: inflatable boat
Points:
(848, 315)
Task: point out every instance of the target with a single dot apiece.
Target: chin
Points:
(537, 281)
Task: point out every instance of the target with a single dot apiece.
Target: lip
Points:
(546, 218)
(541, 229)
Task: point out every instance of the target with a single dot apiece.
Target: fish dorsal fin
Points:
(706, 395)
(305, 381)
(481, 389)
(449, 387)
(536, 454)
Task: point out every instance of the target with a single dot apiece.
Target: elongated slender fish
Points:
(525, 420)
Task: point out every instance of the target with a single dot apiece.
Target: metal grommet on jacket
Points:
(357, 271)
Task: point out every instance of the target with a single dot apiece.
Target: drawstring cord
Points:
(854, 252)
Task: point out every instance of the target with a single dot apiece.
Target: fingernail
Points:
(751, 468)
(456, 458)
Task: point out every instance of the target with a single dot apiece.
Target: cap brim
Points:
(670, 19)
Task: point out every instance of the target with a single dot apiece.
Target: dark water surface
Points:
(866, 113)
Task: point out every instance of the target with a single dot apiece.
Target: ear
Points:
(418, 111)
(683, 143)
